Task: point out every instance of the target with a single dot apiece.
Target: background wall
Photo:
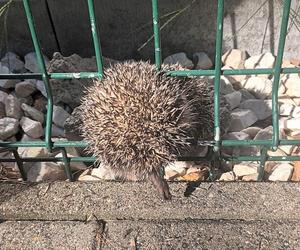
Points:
(126, 25)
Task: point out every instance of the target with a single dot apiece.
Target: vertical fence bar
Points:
(156, 30)
(67, 166)
(218, 65)
(277, 69)
(43, 70)
(96, 38)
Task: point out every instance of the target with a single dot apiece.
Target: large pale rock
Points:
(179, 58)
(180, 166)
(246, 95)
(233, 99)
(261, 108)
(243, 169)
(292, 87)
(103, 172)
(73, 165)
(2, 110)
(59, 116)
(264, 134)
(291, 124)
(3, 70)
(25, 88)
(33, 113)
(228, 176)
(202, 61)
(250, 177)
(13, 62)
(41, 87)
(32, 151)
(286, 109)
(237, 136)
(251, 131)
(241, 119)
(13, 107)
(234, 79)
(46, 171)
(8, 127)
(32, 128)
(57, 131)
(266, 60)
(261, 88)
(3, 96)
(296, 112)
(31, 62)
(225, 86)
(281, 172)
(235, 58)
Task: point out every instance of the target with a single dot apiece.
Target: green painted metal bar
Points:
(78, 75)
(156, 30)
(218, 66)
(96, 38)
(189, 158)
(19, 164)
(83, 144)
(277, 68)
(232, 72)
(170, 73)
(66, 162)
(43, 70)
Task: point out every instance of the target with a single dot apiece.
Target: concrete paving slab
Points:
(115, 200)
(49, 235)
(201, 235)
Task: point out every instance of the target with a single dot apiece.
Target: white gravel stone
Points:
(261, 88)
(103, 172)
(235, 58)
(179, 166)
(228, 176)
(32, 151)
(46, 171)
(296, 113)
(264, 134)
(261, 108)
(241, 119)
(13, 107)
(3, 96)
(251, 131)
(31, 62)
(234, 79)
(180, 58)
(13, 62)
(237, 136)
(244, 169)
(57, 131)
(246, 95)
(25, 88)
(33, 113)
(73, 165)
(41, 87)
(4, 70)
(281, 172)
(32, 128)
(265, 60)
(233, 99)
(251, 177)
(225, 86)
(202, 60)
(292, 124)
(8, 127)
(292, 87)
(59, 116)
(286, 109)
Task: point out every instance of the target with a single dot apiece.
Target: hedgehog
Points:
(137, 120)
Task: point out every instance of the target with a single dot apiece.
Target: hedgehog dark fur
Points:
(137, 120)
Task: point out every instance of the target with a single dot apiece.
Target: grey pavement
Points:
(115, 215)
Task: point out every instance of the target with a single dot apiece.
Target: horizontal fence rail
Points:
(217, 72)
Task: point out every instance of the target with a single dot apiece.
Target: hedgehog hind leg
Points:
(160, 184)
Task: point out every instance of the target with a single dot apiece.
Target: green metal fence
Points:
(217, 72)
